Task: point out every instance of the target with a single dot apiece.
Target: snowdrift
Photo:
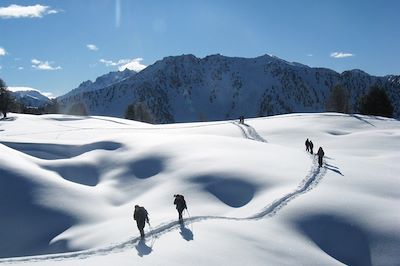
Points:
(68, 186)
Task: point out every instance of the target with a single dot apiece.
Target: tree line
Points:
(374, 102)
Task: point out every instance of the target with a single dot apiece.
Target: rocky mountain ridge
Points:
(186, 88)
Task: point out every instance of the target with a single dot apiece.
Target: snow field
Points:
(70, 183)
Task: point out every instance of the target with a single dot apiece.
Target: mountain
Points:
(30, 98)
(101, 82)
(186, 88)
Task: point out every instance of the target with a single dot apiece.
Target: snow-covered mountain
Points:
(68, 186)
(186, 88)
(100, 82)
(30, 98)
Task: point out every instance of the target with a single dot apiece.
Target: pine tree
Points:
(338, 100)
(5, 98)
(139, 112)
(376, 102)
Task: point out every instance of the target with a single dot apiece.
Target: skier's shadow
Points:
(142, 248)
(8, 118)
(185, 232)
(333, 169)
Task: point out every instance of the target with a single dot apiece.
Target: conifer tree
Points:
(376, 102)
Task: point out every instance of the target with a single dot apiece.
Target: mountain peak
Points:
(357, 72)
(186, 88)
(31, 98)
(102, 81)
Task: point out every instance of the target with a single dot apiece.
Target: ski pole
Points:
(188, 213)
(151, 228)
(152, 233)
(190, 218)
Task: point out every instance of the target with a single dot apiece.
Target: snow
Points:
(68, 185)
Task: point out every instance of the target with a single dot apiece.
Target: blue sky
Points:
(54, 45)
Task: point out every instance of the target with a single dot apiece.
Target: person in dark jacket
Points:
(241, 119)
(311, 147)
(141, 216)
(180, 205)
(320, 154)
(307, 145)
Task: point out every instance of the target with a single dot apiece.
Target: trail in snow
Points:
(249, 132)
(311, 180)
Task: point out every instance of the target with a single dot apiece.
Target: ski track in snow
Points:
(249, 132)
(311, 180)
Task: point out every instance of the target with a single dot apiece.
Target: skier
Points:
(141, 216)
(180, 205)
(241, 119)
(307, 145)
(320, 156)
(311, 147)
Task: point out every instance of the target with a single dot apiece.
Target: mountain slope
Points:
(186, 88)
(30, 98)
(100, 82)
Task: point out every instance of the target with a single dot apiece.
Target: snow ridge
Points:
(310, 181)
(100, 82)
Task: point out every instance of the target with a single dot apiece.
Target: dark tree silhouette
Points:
(139, 112)
(376, 102)
(338, 100)
(5, 98)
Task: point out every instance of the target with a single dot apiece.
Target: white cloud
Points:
(48, 95)
(23, 88)
(112, 63)
(2, 51)
(310, 55)
(341, 55)
(122, 64)
(1, 67)
(20, 68)
(17, 11)
(134, 65)
(44, 65)
(92, 47)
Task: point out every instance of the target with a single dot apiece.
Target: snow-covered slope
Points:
(186, 88)
(30, 98)
(255, 197)
(100, 83)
